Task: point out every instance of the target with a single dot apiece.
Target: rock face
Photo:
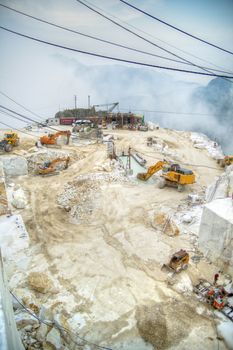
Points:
(14, 165)
(216, 233)
(222, 187)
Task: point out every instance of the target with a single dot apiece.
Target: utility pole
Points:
(75, 106)
(89, 101)
(129, 157)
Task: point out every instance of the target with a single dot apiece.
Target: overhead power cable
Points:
(104, 41)
(23, 116)
(114, 58)
(14, 128)
(26, 109)
(48, 323)
(162, 41)
(13, 116)
(176, 28)
(172, 112)
(141, 37)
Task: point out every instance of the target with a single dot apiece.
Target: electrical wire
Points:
(26, 109)
(176, 28)
(102, 40)
(162, 41)
(14, 128)
(170, 112)
(143, 38)
(48, 323)
(194, 165)
(114, 58)
(23, 116)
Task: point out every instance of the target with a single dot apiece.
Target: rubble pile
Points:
(42, 329)
(201, 141)
(78, 196)
(166, 224)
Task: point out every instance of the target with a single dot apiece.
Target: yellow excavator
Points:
(49, 168)
(12, 138)
(173, 175)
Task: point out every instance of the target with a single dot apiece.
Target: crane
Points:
(112, 105)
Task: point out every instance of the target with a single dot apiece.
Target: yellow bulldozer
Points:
(178, 262)
(50, 168)
(172, 175)
(11, 138)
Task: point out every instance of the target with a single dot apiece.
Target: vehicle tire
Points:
(180, 188)
(162, 183)
(8, 147)
(185, 266)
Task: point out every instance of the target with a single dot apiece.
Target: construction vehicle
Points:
(227, 160)
(173, 175)
(110, 108)
(178, 262)
(11, 138)
(216, 296)
(5, 146)
(50, 168)
(51, 139)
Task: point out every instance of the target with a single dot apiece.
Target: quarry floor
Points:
(106, 266)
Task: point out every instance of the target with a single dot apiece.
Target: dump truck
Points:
(172, 175)
(51, 139)
(11, 138)
(178, 262)
(50, 168)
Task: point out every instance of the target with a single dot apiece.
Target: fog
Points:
(161, 98)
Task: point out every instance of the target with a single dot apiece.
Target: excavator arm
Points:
(151, 170)
(51, 167)
(52, 138)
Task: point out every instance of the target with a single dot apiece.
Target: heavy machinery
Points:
(11, 138)
(110, 108)
(5, 146)
(51, 139)
(227, 160)
(173, 175)
(50, 168)
(216, 296)
(178, 262)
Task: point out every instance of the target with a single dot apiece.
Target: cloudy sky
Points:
(45, 79)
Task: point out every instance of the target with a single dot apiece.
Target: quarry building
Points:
(100, 117)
